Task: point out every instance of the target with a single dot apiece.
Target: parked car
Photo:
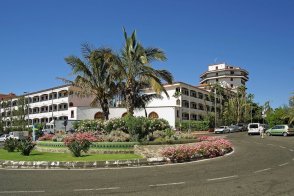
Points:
(4, 137)
(242, 126)
(284, 130)
(222, 129)
(256, 128)
(233, 128)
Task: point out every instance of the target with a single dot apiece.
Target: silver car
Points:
(233, 128)
(4, 137)
(222, 129)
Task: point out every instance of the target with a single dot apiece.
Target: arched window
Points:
(153, 115)
(99, 115)
(71, 104)
(124, 114)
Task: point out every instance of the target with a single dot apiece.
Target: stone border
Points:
(6, 164)
(91, 151)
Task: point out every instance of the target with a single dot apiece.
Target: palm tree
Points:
(136, 69)
(142, 99)
(95, 75)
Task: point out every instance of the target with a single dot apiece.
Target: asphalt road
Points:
(257, 167)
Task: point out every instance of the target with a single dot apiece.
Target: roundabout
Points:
(257, 167)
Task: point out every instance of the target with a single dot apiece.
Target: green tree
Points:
(136, 68)
(276, 116)
(95, 75)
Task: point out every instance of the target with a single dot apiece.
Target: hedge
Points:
(93, 145)
(194, 125)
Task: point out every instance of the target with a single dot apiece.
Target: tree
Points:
(142, 99)
(136, 68)
(95, 75)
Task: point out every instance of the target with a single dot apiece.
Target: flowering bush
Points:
(46, 137)
(25, 146)
(207, 138)
(117, 136)
(10, 144)
(137, 127)
(79, 142)
(205, 149)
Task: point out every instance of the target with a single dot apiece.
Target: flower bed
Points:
(209, 148)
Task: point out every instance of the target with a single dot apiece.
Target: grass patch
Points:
(47, 156)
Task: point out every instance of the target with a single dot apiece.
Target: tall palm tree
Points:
(95, 75)
(135, 65)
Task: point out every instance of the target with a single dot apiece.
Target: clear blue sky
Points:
(35, 36)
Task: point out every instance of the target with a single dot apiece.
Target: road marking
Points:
(168, 184)
(5, 192)
(262, 170)
(221, 178)
(99, 189)
(282, 147)
(270, 144)
(283, 164)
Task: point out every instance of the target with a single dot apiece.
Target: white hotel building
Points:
(57, 103)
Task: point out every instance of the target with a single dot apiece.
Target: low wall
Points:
(91, 151)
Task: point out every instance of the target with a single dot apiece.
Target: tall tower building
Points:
(226, 75)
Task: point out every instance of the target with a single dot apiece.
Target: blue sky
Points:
(36, 36)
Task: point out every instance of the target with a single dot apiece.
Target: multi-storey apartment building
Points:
(44, 106)
(227, 76)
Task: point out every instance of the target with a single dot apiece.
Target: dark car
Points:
(242, 126)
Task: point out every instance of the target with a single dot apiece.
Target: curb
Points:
(6, 164)
(80, 165)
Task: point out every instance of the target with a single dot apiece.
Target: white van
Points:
(256, 128)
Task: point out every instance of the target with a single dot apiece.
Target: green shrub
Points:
(117, 136)
(10, 144)
(194, 125)
(90, 125)
(26, 146)
(137, 127)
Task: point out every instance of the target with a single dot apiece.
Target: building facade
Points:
(184, 101)
(227, 76)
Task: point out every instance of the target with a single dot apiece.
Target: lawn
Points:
(47, 156)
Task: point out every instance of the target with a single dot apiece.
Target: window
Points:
(232, 85)
(232, 79)
(232, 73)
(216, 80)
(185, 116)
(193, 117)
(99, 116)
(178, 114)
(153, 115)
(193, 105)
(72, 114)
(193, 94)
(185, 91)
(71, 104)
(216, 74)
(200, 95)
(185, 104)
(216, 67)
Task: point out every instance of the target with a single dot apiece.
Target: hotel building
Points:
(184, 102)
(227, 76)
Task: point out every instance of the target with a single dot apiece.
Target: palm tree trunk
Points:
(105, 109)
